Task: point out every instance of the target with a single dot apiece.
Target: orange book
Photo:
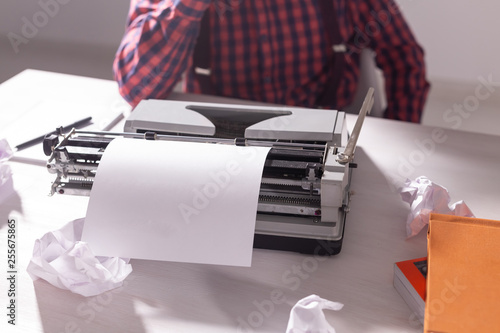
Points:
(463, 278)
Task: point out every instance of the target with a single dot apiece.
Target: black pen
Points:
(39, 139)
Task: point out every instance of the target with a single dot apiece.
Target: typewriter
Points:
(304, 191)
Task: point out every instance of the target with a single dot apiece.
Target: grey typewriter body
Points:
(304, 191)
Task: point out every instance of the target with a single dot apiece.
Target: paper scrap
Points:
(426, 197)
(5, 154)
(61, 259)
(5, 150)
(307, 315)
(175, 201)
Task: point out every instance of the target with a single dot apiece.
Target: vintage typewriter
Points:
(304, 191)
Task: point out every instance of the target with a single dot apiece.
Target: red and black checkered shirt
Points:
(272, 51)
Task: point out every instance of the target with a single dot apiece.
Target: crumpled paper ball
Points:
(5, 154)
(61, 259)
(425, 197)
(307, 315)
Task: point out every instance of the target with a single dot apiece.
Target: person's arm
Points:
(399, 56)
(155, 50)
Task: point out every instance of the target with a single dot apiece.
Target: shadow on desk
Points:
(174, 296)
(63, 311)
(374, 239)
(214, 296)
(10, 201)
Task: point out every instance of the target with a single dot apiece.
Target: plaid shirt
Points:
(272, 51)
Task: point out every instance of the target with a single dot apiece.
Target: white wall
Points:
(100, 22)
(71, 36)
(462, 47)
(460, 37)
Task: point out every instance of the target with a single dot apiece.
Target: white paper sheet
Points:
(175, 201)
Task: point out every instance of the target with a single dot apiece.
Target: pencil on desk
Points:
(39, 139)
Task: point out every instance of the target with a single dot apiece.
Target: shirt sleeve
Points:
(159, 40)
(382, 28)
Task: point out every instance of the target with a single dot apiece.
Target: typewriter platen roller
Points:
(304, 191)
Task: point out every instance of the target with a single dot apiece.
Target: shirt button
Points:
(263, 38)
(267, 79)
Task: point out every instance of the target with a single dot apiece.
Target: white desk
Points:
(175, 297)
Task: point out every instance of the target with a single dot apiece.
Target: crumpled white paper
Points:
(5, 153)
(61, 259)
(426, 197)
(307, 315)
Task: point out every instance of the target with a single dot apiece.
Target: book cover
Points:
(410, 282)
